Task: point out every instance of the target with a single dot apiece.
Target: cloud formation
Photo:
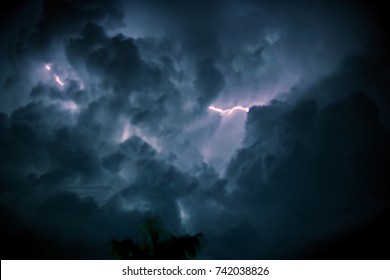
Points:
(127, 132)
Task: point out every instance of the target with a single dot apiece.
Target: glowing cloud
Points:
(70, 106)
(48, 67)
(184, 216)
(229, 111)
(126, 133)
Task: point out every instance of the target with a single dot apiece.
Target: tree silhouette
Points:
(157, 244)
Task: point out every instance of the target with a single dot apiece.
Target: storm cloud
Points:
(105, 120)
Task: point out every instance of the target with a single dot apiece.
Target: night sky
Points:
(111, 112)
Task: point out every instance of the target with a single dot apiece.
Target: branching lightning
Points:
(229, 111)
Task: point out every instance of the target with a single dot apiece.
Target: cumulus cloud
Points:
(313, 172)
(105, 121)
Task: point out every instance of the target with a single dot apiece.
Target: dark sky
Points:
(105, 119)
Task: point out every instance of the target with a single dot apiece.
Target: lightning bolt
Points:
(228, 111)
(58, 80)
(56, 77)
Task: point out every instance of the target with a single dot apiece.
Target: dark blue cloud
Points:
(105, 122)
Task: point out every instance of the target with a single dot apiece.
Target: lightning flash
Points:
(229, 111)
(59, 81)
(56, 77)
